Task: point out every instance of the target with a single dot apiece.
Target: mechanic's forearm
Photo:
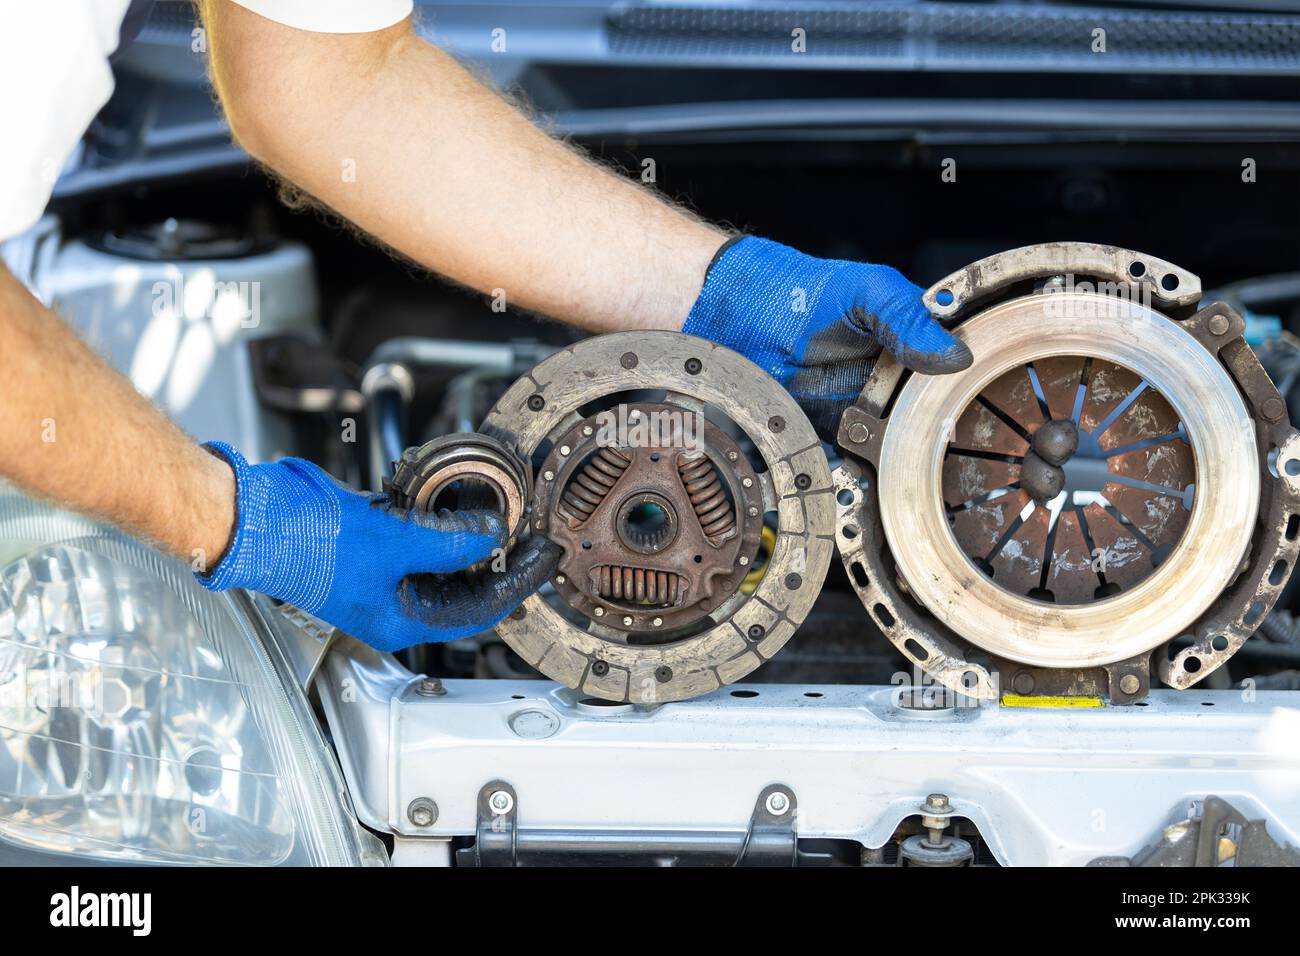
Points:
(75, 431)
(400, 139)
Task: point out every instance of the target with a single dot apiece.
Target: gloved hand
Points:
(363, 565)
(817, 325)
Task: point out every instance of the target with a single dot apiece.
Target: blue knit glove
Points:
(817, 325)
(374, 571)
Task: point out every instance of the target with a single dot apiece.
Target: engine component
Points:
(1215, 833)
(661, 515)
(649, 527)
(464, 471)
(1049, 520)
(936, 847)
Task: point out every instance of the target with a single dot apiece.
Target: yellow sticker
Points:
(1018, 700)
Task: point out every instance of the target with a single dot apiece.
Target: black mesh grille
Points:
(938, 34)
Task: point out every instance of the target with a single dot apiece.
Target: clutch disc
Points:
(1088, 491)
(663, 458)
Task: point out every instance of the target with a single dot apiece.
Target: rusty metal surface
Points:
(795, 488)
(1060, 377)
(1160, 518)
(967, 478)
(1072, 630)
(1097, 552)
(1142, 525)
(927, 643)
(1013, 394)
(710, 499)
(426, 471)
(1273, 553)
(1018, 564)
(1071, 578)
(979, 429)
(1124, 271)
(1120, 559)
(1148, 416)
(1108, 386)
(981, 527)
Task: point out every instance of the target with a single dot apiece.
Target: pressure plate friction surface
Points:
(629, 664)
(1058, 577)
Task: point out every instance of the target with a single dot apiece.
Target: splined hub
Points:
(647, 523)
(658, 512)
(1102, 497)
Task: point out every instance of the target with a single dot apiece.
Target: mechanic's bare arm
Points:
(396, 136)
(77, 432)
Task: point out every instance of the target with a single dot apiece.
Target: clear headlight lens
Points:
(143, 718)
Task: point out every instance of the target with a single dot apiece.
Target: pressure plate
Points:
(662, 464)
(1112, 487)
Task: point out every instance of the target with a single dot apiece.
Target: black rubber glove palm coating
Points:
(455, 602)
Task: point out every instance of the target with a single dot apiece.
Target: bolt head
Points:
(859, 433)
(599, 612)
(732, 455)
(747, 482)
(430, 687)
(548, 475)
(1218, 324)
(743, 560)
(627, 621)
(752, 512)
(937, 801)
(777, 803)
(501, 802)
(658, 622)
(422, 812)
(564, 449)
(586, 429)
(1130, 684)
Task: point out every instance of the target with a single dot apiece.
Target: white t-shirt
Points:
(54, 78)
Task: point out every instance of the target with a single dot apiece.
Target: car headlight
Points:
(144, 719)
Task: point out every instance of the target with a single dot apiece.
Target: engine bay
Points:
(863, 653)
